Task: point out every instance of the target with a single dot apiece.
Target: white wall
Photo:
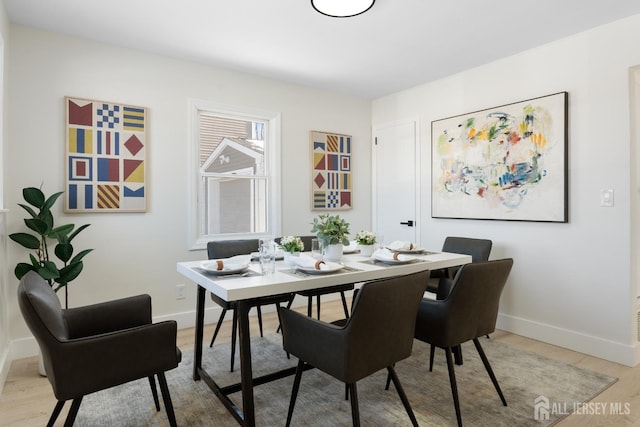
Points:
(570, 283)
(5, 287)
(136, 253)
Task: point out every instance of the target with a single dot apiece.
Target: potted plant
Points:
(366, 241)
(332, 231)
(59, 273)
(292, 246)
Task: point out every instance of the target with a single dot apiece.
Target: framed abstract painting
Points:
(504, 163)
(331, 185)
(106, 152)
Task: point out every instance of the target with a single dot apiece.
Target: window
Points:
(236, 173)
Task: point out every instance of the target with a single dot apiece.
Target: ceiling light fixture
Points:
(342, 8)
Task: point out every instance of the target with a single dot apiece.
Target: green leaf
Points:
(38, 225)
(26, 240)
(33, 196)
(69, 273)
(47, 217)
(23, 268)
(28, 209)
(48, 271)
(34, 261)
(79, 256)
(51, 200)
(61, 232)
(78, 230)
(64, 251)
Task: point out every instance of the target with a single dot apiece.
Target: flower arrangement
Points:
(331, 229)
(365, 238)
(292, 244)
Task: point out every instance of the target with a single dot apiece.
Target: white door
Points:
(395, 196)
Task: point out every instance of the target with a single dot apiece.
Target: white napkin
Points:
(224, 264)
(399, 245)
(308, 262)
(387, 255)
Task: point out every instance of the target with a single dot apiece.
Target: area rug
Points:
(523, 376)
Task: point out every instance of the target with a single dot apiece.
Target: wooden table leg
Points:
(246, 371)
(197, 353)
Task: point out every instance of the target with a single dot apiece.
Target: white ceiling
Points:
(396, 45)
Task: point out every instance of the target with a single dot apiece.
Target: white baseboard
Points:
(624, 354)
(5, 364)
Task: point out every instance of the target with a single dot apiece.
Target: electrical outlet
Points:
(181, 292)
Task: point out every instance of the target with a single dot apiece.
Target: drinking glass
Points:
(316, 249)
(267, 256)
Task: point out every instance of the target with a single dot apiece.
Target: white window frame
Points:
(198, 240)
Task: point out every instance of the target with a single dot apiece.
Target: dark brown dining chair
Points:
(225, 249)
(99, 346)
(378, 334)
(467, 313)
(318, 293)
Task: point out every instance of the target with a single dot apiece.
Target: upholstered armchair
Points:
(378, 334)
(467, 313)
(95, 347)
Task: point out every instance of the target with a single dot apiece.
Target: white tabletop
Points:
(286, 280)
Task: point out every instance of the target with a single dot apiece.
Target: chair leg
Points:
(344, 305)
(154, 391)
(454, 386)
(386, 387)
(432, 353)
(166, 397)
(260, 319)
(289, 304)
(487, 366)
(73, 412)
(215, 333)
(56, 412)
(318, 306)
(234, 333)
(280, 322)
(457, 354)
(294, 391)
(355, 411)
(310, 306)
(402, 394)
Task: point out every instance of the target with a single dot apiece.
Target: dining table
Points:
(250, 288)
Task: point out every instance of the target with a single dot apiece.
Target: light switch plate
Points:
(606, 198)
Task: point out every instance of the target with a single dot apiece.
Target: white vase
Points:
(366, 250)
(333, 253)
(290, 258)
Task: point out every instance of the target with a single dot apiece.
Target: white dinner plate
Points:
(211, 267)
(408, 251)
(406, 259)
(331, 267)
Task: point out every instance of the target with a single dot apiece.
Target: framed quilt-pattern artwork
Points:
(106, 151)
(331, 179)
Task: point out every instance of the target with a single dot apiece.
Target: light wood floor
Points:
(27, 399)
